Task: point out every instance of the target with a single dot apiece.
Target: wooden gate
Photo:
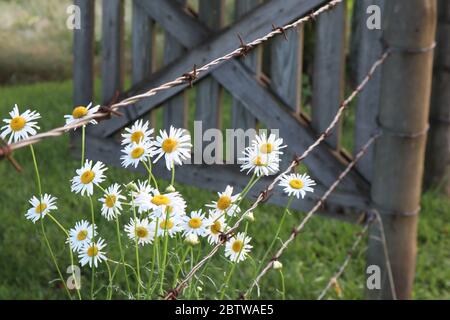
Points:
(258, 100)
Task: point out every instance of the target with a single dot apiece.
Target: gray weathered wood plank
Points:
(369, 48)
(209, 92)
(112, 48)
(241, 118)
(286, 67)
(176, 110)
(278, 12)
(83, 54)
(329, 70)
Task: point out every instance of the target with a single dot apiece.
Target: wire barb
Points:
(190, 77)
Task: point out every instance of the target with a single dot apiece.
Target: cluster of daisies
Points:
(159, 213)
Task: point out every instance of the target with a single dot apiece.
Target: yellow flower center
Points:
(195, 223)
(258, 161)
(137, 152)
(141, 232)
(216, 227)
(266, 148)
(87, 177)
(82, 235)
(40, 208)
(110, 200)
(237, 246)
(79, 112)
(137, 136)
(223, 202)
(296, 184)
(92, 251)
(169, 145)
(166, 224)
(160, 200)
(17, 123)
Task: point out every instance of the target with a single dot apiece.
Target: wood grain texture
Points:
(329, 70)
(176, 109)
(366, 48)
(241, 118)
(112, 48)
(399, 161)
(286, 67)
(278, 12)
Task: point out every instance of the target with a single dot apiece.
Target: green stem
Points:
(70, 251)
(38, 178)
(172, 181)
(225, 286)
(136, 243)
(155, 257)
(151, 176)
(283, 287)
(166, 241)
(83, 140)
(54, 259)
(93, 242)
(180, 267)
(122, 256)
(109, 290)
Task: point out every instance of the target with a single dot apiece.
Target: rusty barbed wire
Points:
(188, 78)
(265, 194)
(311, 212)
(359, 236)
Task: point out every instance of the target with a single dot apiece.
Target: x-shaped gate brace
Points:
(325, 164)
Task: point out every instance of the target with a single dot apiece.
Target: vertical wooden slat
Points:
(143, 51)
(286, 67)
(209, 92)
(112, 48)
(83, 54)
(437, 164)
(366, 48)
(399, 152)
(241, 118)
(175, 112)
(329, 67)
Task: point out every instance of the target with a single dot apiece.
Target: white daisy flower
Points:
(238, 247)
(297, 184)
(159, 203)
(136, 153)
(112, 202)
(91, 253)
(142, 229)
(40, 208)
(171, 226)
(196, 224)
(192, 239)
(175, 146)
(138, 133)
(80, 113)
(20, 126)
(269, 145)
(226, 202)
(81, 235)
(87, 176)
(261, 163)
(216, 225)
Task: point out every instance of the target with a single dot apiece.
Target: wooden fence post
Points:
(83, 54)
(409, 31)
(437, 164)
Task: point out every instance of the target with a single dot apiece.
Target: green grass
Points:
(26, 271)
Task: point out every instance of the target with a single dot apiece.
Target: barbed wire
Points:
(311, 212)
(359, 236)
(265, 194)
(105, 112)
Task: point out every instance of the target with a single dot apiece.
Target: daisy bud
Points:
(170, 188)
(131, 187)
(199, 289)
(192, 239)
(277, 265)
(250, 217)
